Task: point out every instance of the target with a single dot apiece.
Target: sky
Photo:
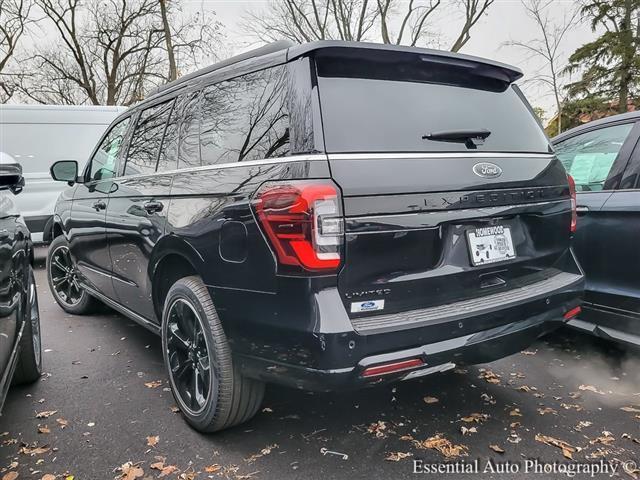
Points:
(507, 20)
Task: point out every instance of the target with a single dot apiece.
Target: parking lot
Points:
(104, 402)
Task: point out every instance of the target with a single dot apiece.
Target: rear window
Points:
(388, 102)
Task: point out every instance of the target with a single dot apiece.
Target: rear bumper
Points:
(336, 360)
(604, 323)
(480, 347)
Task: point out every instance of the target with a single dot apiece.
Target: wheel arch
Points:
(173, 258)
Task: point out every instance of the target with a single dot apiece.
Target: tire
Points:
(79, 302)
(232, 398)
(29, 367)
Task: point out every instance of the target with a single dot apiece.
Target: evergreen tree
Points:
(610, 65)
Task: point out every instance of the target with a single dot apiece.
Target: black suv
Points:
(323, 216)
(20, 351)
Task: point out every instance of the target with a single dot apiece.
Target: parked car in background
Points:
(38, 135)
(604, 159)
(20, 352)
(325, 216)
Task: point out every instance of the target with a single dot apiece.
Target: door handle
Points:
(100, 205)
(582, 210)
(153, 206)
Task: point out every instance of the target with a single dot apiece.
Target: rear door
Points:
(86, 226)
(435, 214)
(608, 222)
(137, 211)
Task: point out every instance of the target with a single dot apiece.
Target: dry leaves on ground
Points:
(606, 439)
(545, 410)
(213, 468)
(397, 456)
(489, 376)
(496, 448)
(265, 451)
(468, 431)
(44, 429)
(630, 409)
(46, 413)
(590, 388)
(153, 440)
(476, 417)
(62, 422)
(10, 476)
(429, 400)
(33, 449)
(129, 471)
(515, 413)
(164, 469)
(154, 384)
(567, 449)
(48, 476)
(378, 429)
(442, 445)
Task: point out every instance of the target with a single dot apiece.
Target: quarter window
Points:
(245, 118)
(104, 163)
(147, 139)
(588, 157)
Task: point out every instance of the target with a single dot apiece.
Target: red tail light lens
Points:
(303, 222)
(574, 203)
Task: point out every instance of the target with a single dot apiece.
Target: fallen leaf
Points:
(397, 456)
(10, 476)
(442, 445)
(429, 400)
(213, 468)
(496, 448)
(529, 352)
(129, 471)
(154, 384)
(267, 410)
(153, 441)
(44, 429)
(527, 388)
(378, 428)
(582, 424)
(265, 451)
(590, 388)
(515, 412)
(567, 449)
(33, 450)
(630, 409)
(545, 410)
(48, 476)
(476, 417)
(46, 413)
(489, 376)
(468, 431)
(168, 470)
(175, 409)
(605, 439)
(62, 422)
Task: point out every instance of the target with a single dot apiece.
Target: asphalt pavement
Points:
(107, 412)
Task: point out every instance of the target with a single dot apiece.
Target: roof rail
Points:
(257, 52)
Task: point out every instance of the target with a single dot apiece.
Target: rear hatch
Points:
(449, 185)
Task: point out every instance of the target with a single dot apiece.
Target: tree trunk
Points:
(173, 71)
(626, 76)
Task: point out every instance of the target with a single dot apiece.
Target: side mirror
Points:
(65, 171)
(11, 177)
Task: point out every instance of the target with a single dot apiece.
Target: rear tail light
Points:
(574, 203)
(303, 222)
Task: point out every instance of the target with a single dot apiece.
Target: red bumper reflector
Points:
(392, 367)
(572, 313)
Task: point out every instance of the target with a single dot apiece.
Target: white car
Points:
(36, 136)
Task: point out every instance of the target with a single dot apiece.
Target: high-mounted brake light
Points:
(574, 203)
(303, 222)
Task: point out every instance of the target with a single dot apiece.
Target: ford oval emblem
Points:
(487, 170)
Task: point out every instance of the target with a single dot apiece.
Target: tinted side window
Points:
(104, 163)
(245, 118)
(189, 145)
(146, 140)
(588, 157)
(169, 150)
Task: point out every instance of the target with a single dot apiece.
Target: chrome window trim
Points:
(222, 166)
(418, 155)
